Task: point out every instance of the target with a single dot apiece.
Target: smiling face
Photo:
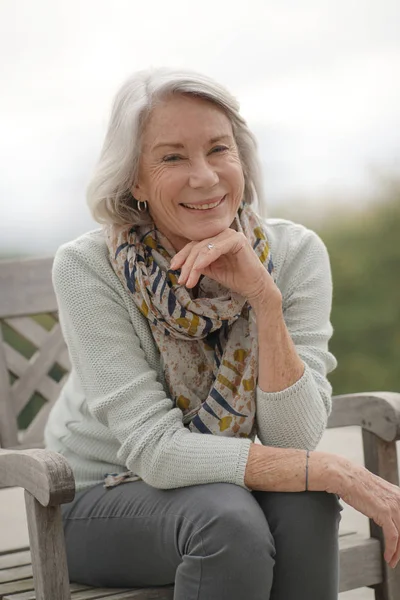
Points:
(190, 171)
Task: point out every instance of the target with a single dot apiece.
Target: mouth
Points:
(206, 206)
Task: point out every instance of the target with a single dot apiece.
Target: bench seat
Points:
(16, 582)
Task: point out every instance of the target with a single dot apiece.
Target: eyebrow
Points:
(178, 145)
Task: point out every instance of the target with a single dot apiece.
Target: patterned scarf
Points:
(208, 344)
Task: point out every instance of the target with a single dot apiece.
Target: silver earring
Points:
(139, 203)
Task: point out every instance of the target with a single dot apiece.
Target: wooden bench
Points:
(34, 365)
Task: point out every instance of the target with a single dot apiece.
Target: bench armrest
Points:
(43, 473)
(378, 412)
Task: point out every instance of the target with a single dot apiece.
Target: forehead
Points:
(180, 118)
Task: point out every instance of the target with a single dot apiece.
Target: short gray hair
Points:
(108, 194)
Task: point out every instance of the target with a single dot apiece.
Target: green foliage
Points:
(365, 257)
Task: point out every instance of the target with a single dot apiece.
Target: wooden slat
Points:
(166, 593)
(25, 585)
(26, 287)
(39, 366)
(360, 562)
(16, 573)
(16, 559)
(31, 595)
(35, 431)
(18, 365)
(13, 551)
(150, 594)
(37, 335)
(94, 593)
(74, 587)
(8, 420)
(77, 591)
(378, 412)
(29, 329)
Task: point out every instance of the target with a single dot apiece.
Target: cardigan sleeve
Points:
(121, 389)
(296, 417)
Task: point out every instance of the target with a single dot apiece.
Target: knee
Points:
(303, 511)
(234, 519)
(321, 506)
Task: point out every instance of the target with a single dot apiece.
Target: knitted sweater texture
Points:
(114, 412)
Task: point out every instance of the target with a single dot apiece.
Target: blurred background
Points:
(318, 82)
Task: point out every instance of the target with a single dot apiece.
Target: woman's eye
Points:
(218, 149)
(172, 158)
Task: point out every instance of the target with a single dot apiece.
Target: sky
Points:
(318, 82)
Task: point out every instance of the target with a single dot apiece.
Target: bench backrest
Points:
(34, 361)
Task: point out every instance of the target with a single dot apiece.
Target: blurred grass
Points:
(365, 257)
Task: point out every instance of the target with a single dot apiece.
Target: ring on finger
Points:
(210, 246)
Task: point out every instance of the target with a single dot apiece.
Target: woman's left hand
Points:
(231, 261)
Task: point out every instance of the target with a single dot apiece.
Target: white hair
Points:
(108, 195)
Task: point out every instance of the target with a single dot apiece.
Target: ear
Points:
(138, 192)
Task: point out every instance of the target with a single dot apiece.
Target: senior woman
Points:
(193, 326)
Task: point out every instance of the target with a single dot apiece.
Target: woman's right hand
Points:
(377, 499)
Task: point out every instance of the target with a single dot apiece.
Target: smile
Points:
(204, 206)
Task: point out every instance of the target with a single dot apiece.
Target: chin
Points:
(212, 229)
(206, 232)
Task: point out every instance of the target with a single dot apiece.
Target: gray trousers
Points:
(215, 542)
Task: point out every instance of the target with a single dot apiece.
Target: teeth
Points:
(203, 206)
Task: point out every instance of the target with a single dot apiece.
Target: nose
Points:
(202, 174)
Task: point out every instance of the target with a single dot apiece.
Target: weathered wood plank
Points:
(31, 595)
(16, 573)
(16, 559)
(166, 593)
(29, 329)
(13, 551)
(45, 474)
(378, 412)
(49, 560)
(24, 585)
(381, 459)
(18, 364)
(8, 420)
(94, 593)
(38, 367)
(26, 287)
(360, 562)
(35, 432)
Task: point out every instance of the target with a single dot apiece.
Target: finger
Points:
(229, 242)
(189, 277)
(205, 257)
(180, 257)
(201, 256)
(391, 539)
(396, 556)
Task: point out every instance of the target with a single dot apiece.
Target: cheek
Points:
(234, 174)
(164, 183)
